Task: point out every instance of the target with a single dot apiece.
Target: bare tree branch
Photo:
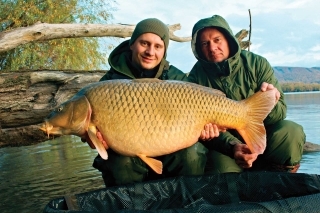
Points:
(250, 26)
(44, 32)
(241, 35)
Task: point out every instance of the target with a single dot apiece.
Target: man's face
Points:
(147, 51)
(213, 45)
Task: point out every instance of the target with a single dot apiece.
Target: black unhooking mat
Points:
(231, 192)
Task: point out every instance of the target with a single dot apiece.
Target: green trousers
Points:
(285, 141)
(119, 169)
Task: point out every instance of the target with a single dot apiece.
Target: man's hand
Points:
(266, 86)
(210, 131)
(243, 156)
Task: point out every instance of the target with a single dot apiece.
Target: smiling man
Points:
(143, 56)
(147, 51)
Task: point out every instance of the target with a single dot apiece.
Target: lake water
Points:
(304, 108)
(31, 176)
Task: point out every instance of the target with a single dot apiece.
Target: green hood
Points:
(221, 24)
(119, 57)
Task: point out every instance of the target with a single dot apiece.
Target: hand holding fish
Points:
(210, 131)
(266, 86)
(243, 156)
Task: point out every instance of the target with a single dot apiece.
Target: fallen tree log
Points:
(27, 97)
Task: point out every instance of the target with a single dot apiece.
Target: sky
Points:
(285, 32)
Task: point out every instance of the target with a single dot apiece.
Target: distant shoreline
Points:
(299, 87)
(301, 92)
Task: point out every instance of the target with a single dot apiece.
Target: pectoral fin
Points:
(154, 164)
(92, 132)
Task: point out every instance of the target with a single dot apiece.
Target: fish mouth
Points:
(47, 128)
(50, 129)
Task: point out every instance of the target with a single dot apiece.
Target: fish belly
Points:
(157, 117)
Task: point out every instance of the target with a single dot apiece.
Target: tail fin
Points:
(259, 105)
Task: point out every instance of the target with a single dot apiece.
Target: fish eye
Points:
(60, 109)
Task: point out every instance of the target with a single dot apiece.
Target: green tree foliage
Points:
(71, 53)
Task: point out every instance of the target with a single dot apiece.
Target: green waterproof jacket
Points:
(122, 68)
(240, 76)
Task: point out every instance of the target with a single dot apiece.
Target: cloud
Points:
(316, 57)
(292, 58)
(298, 4)
(282, 58)
(315, 53)
(255, 47)
(315, 48)
(293, 37)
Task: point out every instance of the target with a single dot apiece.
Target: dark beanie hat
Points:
(151, 25)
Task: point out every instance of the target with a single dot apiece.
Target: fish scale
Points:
(150, 117)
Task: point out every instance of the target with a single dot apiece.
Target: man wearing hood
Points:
(239, 74)
(143, 56)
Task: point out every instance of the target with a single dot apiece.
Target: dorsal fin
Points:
(146, 80)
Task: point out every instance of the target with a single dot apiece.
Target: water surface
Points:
(31, 176)
(304, 108)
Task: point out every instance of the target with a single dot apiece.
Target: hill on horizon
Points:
(297, 74)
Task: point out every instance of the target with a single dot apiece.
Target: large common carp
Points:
(150, 117)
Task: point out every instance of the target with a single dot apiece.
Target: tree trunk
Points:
(27, 97)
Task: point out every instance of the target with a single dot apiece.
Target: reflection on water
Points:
(32, 176)
(304, 108)
(310, 163)
(302, 98)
